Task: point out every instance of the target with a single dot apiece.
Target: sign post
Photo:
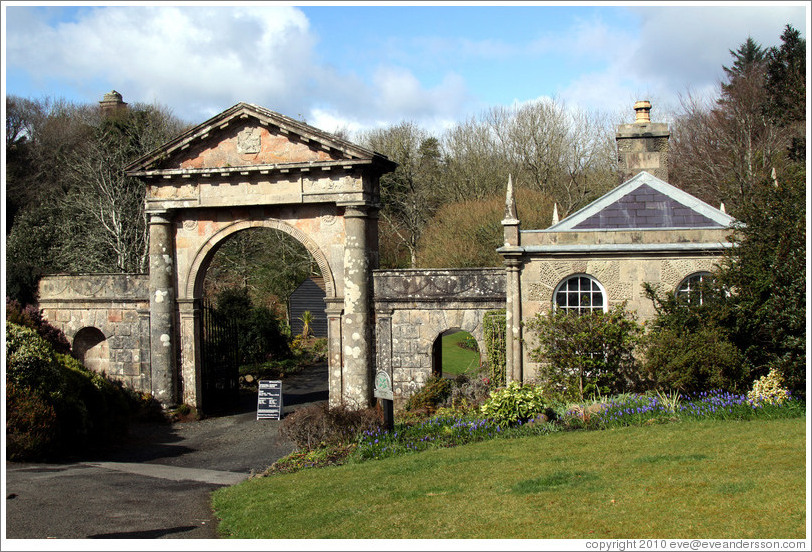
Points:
(383, 392)
(269, 400)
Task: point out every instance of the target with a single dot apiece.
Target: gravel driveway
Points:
(158, 483)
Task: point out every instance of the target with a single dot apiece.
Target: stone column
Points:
(511, 252)
(335, 306)
(144, 350)
(161, 308)
(355, 331)
(513, 322)
(191, 384)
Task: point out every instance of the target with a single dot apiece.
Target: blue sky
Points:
(361, 66)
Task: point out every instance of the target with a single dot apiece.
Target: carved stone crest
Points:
(248, 140)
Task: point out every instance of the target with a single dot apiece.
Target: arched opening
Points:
(246, 283)
(454, 352)
(695, 289)
(580, 293)
(91, 347)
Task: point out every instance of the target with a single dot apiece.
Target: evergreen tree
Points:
(786, 87)
(747, 58)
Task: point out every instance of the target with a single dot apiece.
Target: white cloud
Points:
(201, 60)
(676, 50)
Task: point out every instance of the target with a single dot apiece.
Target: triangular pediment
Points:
(645, 202)
(248, 136)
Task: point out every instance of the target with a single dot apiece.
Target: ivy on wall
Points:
(495, 328)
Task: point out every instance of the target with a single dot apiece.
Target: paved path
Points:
(158, 483)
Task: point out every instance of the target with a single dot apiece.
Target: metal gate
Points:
(220, 353)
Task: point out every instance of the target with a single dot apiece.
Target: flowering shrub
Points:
(514, 403)
(769, 389)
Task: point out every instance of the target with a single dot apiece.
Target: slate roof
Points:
(644, 202)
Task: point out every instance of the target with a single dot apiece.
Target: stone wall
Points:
(106, 319)
(412, 309)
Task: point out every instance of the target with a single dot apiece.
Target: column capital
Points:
(356, 210)
(159, 217)
(512, 263)
(334, 306)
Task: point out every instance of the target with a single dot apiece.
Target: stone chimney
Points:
(112, 103)
(642, 145)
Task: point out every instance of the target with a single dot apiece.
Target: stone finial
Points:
(510, 202)
(555, 213)
(642, 112)
(722, 207)
(511, 223)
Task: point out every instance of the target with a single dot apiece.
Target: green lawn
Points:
(457, 360)
(704, 479)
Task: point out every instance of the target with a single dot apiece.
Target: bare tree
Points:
(410, 194)
(721, 149)
(475, 166)
(107, 207)
(565, 153)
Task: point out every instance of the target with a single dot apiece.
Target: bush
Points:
(469, 392)
(768, 389)
(31, 424)
(319, 425)
(694, 362)
(31, 317)
(58, 405)
(494, 323)
(262, 335)
(586, 354)
(103, 405)
(30, 361)
(436, 391)
(514, 403)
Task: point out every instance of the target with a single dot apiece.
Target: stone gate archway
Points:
(190, 286)
(251, 167)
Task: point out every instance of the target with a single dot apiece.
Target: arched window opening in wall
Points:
(91, 347)
(694, 289)
(580, 294)
(454, 352)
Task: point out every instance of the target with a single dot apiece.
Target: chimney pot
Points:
(643, 112)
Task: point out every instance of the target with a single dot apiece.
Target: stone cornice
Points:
(275, 168)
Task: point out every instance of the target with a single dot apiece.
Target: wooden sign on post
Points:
(269, 400)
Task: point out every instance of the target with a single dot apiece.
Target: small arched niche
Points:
(91, 347)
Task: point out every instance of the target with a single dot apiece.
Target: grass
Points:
(457, 360)
(696, 479)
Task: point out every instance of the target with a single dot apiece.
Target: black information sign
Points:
(269, 400)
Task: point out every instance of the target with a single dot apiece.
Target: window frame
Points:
(683, 291)
(579, 309)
